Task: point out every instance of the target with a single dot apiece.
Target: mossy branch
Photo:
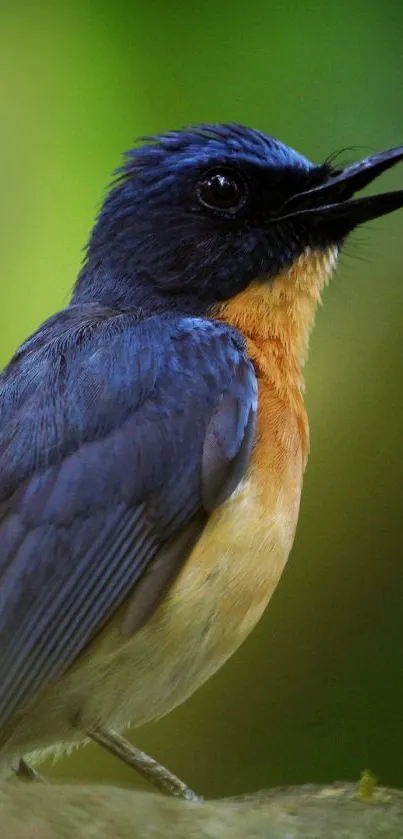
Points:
(34, 811)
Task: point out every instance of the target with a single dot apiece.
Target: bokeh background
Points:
(316, 693)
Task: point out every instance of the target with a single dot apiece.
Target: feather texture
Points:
(107, 423)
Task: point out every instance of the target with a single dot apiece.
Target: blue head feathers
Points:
(190, 219)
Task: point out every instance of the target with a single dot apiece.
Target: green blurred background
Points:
(316, 693)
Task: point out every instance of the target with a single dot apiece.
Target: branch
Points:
(30, 811)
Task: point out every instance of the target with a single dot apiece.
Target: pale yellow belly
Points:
(215, 602)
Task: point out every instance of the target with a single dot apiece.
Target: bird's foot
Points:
(155, 772)
(26, 773)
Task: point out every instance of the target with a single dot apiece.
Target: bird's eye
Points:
(222, 189)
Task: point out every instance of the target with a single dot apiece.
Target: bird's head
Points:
(196, 216)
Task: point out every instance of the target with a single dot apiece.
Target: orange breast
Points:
(232, 572)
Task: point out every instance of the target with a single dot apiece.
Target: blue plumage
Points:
(103, 424)
(152, 226)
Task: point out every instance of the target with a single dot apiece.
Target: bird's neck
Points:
(276, 318)
(109, 286)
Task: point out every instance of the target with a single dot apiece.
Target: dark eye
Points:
(222, 189)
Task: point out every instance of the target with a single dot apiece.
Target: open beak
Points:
(331, 201)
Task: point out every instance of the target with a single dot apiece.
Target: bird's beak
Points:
(331, 201)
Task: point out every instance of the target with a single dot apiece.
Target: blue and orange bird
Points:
(153, 434)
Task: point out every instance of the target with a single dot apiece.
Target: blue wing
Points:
(118, 436)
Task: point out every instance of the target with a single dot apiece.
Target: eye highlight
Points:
(222, 189)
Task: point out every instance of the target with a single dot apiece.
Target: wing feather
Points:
(125, 464)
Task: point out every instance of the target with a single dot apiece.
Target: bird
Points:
(154, 436)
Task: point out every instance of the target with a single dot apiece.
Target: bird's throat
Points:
(276, 318)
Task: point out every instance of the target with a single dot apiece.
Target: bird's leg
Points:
(157, 774)
(26, 773)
